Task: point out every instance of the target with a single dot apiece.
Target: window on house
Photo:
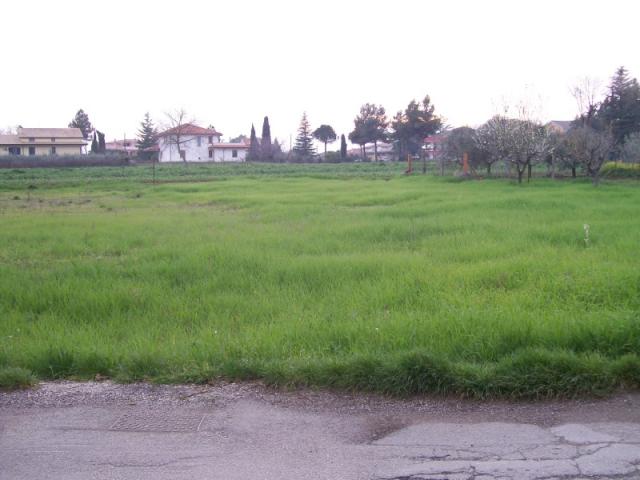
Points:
(53, 140)
(234, 153)
(14, 150)
(32, 150)
(210, 139)
(211, 153)
(53, 150)
(199, 141)
(31, 139)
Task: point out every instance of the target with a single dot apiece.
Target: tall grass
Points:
(348, 279)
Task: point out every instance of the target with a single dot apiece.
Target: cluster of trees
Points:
(262, 149)
(407, 130)
(523, 143)
(82, 122)
(305, 151)
(603, 130)
(146, 137)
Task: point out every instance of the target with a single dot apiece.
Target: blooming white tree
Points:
(519, 141)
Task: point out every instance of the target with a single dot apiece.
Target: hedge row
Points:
(44, 161)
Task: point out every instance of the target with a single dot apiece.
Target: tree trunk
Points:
(528, 172)
(364, 152)
(520, 173)
(553, 167)
(325, 151)
(375, 150)
(573, 172)
(488, 169)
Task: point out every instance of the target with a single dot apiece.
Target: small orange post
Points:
(409, 166)
(465, 163)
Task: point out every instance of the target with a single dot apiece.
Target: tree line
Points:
(604, 129)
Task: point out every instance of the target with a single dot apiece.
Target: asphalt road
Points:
(66, 430)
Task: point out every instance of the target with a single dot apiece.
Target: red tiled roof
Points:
(190, 129)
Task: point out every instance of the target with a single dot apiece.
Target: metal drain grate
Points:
(157, 422)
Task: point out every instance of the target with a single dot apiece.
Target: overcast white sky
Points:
(229, 63)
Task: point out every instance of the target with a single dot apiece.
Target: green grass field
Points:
(340, 276)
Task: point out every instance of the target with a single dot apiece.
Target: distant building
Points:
(434, 145)
(386, 152)
(126, 146)
(43, 141)
(559, 126)
(192, 143)
(228, 152)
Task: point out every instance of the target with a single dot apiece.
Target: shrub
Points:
(621, 170)
(48, 161)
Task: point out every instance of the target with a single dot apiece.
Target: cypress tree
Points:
(102, 147)
(343, 147)
(304, 149)
(254, 146)
(94, 144)
(266, 152)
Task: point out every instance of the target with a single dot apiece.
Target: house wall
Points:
(188, 143)
(43, 149)
(226, 155)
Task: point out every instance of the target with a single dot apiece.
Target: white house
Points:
(192, 143)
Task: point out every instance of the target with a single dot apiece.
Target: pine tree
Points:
(304, 149)
(254, 146)
(81, 121)
(146, 137)
(266, 152)
(94, 144)
(343, 147)
(325, 134)
(371, 126)
(620, 110)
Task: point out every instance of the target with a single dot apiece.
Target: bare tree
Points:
(9, 130)
(177, 123)
(591, 148)
(530, 144)
(586, 93)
